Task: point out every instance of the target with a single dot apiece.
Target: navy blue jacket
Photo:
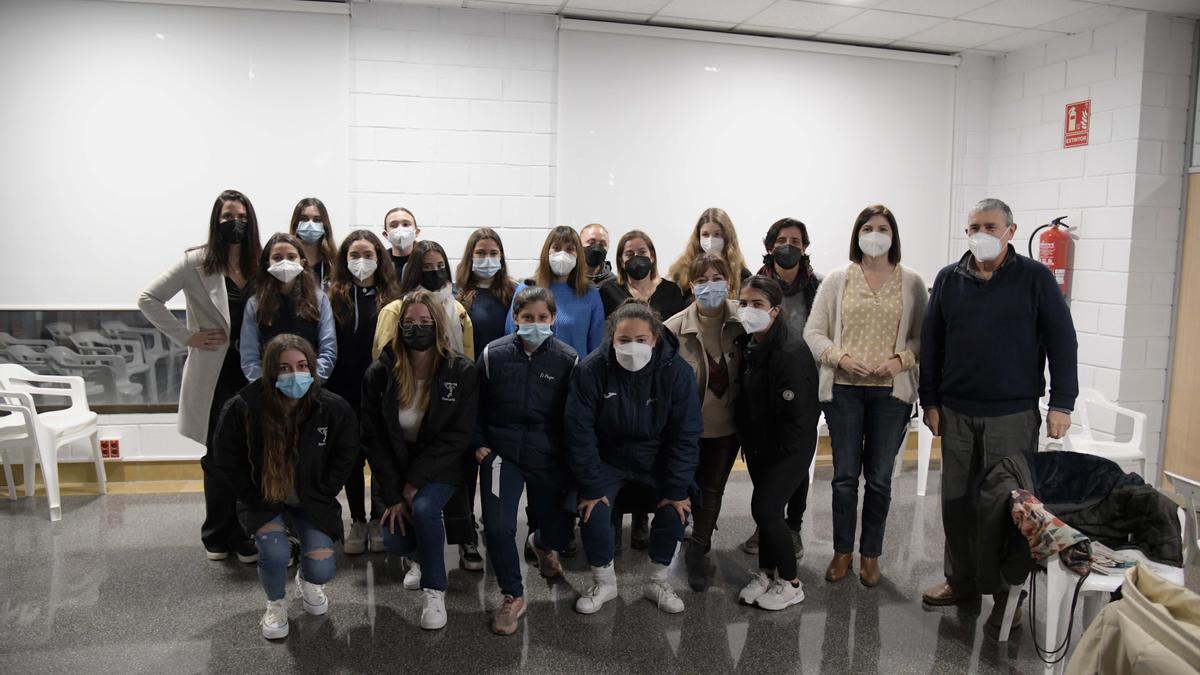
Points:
(645, 425)
(984, 344)
(522, 401)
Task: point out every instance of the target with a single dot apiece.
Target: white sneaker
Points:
(375, 537)
(759, 584)
(275, 620)
(412, 578)
(660, 593)
(313, 595)
(603, 589)
(781, 596)
(356, 541)
(433, 614)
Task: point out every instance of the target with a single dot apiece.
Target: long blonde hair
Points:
(280, 427)
(680, 271)
(406, 378)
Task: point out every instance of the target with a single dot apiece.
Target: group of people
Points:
(596, 388)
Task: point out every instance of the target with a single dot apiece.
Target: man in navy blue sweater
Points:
(994, 320)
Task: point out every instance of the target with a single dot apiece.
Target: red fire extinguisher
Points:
(1054, 250)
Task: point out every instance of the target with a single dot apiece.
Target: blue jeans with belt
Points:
(425, 536)
(866, 427)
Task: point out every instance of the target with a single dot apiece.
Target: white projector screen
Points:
(123, 121)
(655, 127)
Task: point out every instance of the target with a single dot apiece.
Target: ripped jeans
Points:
(317, 562)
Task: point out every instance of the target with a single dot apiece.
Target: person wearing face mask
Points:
(776, 414)
(485, 288)
(637, 277)
(865, 332)
(787, 262)
(595, 254)
(401, 231)
(994, 320)
(215, 279)
(420, 401)
(519, 447)
(430, 271)
(361, 286)
(580, 319)
(310, 224)
(286, 300)
(287, 445)
(713, 234)
(633, 415)
(707, 332)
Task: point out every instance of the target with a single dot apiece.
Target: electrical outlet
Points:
(115, 448)
(105, 448)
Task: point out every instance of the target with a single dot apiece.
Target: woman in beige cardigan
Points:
(864, 332)
(215, 280)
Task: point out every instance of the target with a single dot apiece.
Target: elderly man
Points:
(595, 250)
(994, 319)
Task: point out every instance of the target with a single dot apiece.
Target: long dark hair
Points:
(269, 290)
(502, 286)
(412, 271)
(216, 253)
(326, 246)
(577, 279)
(341, 292)
(856, 254)
(280, 425)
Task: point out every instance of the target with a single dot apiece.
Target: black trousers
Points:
(221, 530)
(775, 481)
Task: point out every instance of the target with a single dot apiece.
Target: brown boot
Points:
(996, 618)
(838, 567)
(943, 594)
(868, 571)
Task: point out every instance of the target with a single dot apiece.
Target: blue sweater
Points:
(580, 320)
(487, 317)
(984, 344)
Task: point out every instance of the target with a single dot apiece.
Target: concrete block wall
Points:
(452, 115)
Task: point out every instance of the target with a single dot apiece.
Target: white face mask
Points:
(875, 244)
(712, 244)
(285, 270)
(561, 263)
(753, 319)
(485, 267)
(362, 268)
(633, 356)
(402, 237)
(984, 246)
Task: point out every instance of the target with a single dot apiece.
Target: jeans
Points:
(317, 562)
(425, 535)
(775, 482)
(866, 427)
(717, 456)
(502, 483)
(971, 446)
(598, 533)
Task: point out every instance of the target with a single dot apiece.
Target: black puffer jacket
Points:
(776, 408)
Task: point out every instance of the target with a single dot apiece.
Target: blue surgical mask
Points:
(712, 294)
(534, 334)
(310, 231)
(294, 385)
(485, 267)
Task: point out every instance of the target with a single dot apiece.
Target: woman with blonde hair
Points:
(420, 400)
(714, 235)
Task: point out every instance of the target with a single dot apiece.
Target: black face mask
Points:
(786, 256)
(231, 231)
(638, 267)
(595, 255)
(418, 337)
(433, 280)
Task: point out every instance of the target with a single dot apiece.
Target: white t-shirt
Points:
(411, 418)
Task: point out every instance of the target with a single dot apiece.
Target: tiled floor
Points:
(121, 585)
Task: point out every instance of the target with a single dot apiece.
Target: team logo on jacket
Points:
(610, 394)
(324, 431)
(449, 395)
(788, 395)
(546, 376)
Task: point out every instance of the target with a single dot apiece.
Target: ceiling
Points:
(946, 26)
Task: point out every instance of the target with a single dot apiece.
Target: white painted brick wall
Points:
(453, 116)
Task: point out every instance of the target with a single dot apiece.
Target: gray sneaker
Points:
(750, 546)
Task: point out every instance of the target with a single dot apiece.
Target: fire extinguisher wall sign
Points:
(1077, 123)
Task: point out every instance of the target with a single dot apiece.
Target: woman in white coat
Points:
(215, 279)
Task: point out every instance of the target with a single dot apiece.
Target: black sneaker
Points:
(530, 556)
(469, 558)
(696, 560)
(639, 537)
(246, 550)
(215, 553)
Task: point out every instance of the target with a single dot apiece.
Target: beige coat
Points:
(1154, 628)
(824, 329)
(207, 307)
(686, 326)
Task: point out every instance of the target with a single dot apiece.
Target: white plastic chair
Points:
(822, 426)
(131, 350)
(56, 428)
(1190, 491)
(1130, 455)
(7, 340)
(104, 373)
(18, 431)
(156, 348)
(924, 452)
(60, 331)
(29, 357)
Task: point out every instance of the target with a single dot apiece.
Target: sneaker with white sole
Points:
(375, 537)
(781, 596)
(215, 554)
(433, 614)
(507, 616)
(759, 584)
(603, 589)
(313, 595)
(246, 550)
(412, 578)
(661, 594)
(275, 620)
(469, 558)
(356, 541)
